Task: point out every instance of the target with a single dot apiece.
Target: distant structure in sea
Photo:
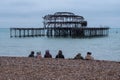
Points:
(64, 19)
(61, 24)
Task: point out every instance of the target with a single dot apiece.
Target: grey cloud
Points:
(22, 3)
(93, 10)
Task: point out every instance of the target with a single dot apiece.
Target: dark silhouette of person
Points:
(60, 55)
(47, 54)
(78, 56)
(31, 54)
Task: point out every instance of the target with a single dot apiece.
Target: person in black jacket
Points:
(31, 54)
(60, 55)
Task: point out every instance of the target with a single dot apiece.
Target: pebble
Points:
(24, 68)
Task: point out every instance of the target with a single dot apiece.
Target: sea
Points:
(102, 48)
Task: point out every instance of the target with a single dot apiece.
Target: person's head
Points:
(38, 53)
(60, 52)
(32, 52)
(47, 52)
(89, 53)
(79, 54)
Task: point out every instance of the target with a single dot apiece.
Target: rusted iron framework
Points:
(64, 19)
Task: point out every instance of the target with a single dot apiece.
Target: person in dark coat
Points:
(47, 54)
(31, 54)
(60, 55)
(78, 56)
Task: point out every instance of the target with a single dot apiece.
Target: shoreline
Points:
(24, 68)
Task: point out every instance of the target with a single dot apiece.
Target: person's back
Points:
(47, 54)
(38, 55)
(88, 56)
(31, 54)
(78, 56)
(60, 55)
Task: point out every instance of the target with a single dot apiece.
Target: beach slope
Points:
(23, 68)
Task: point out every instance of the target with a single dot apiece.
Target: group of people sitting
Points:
(87, 57)
(60, 55)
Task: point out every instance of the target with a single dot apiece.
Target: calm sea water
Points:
(104, 48)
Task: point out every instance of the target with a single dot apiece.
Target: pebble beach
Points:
(24, 68)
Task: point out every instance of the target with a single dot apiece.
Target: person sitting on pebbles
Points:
(78, 56)
(47, 54)
(31, 54)
(38, 56)
(88, 56)
(60, 55)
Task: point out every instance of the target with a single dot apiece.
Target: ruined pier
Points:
(61, 24)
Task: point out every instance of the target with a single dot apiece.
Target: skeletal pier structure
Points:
(26, 32)
(61, 24)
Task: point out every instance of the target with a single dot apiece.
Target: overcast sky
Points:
(29, 13)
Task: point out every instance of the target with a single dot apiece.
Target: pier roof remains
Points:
(64, 19)
(63, 14)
